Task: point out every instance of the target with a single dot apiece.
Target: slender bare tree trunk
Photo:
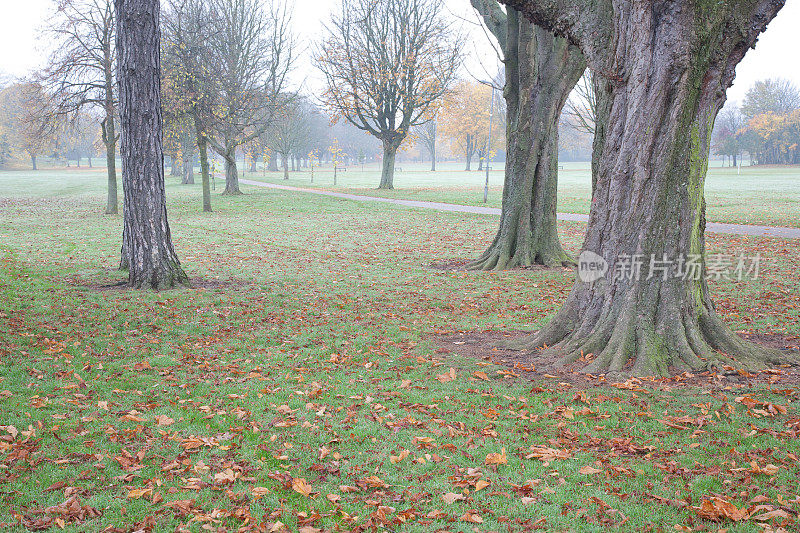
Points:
(151, 259)
(202, 148)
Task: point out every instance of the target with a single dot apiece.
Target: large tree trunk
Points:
(541, 70)
(389, 156)
(151, 259)
(648, 203)
(231, 172)
(273, 163)
(34, 164)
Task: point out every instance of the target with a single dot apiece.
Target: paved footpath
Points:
(713, 227)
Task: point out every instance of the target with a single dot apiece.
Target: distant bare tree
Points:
(386, 63)
(187, 27)
(82, 70)
(250, 54)
(727, 128)
(427, 137)
(289, 130)
(581, 107)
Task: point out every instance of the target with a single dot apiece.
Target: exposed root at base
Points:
(495, 260)
(632, 348)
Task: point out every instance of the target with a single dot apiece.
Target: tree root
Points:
(499, 257)
(631, 345)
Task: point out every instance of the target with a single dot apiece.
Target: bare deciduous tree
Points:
(289, 131)
(581, 107)
(250, 53)
(82, 71)
(426, 134)
(386, 63)
(188, 25)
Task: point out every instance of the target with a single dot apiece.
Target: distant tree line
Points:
(766, 126)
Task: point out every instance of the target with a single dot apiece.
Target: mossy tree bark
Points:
(541, 71)
(150, 257)
(665, 69)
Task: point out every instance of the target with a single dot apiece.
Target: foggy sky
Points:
(23, 48)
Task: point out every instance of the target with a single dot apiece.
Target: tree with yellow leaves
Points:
(464, 120)
(386, 64)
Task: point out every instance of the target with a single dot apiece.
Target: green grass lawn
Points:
(759, 195)
(304, 385)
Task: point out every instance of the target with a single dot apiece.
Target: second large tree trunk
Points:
(231, 172)
(651, 313)
(151, 259)
(541, 70)
(390, 147)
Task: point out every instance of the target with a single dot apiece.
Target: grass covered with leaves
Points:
(300, 386)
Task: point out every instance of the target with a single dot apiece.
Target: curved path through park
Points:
(713, 227)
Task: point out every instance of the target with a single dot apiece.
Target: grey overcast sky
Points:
(777, 54)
